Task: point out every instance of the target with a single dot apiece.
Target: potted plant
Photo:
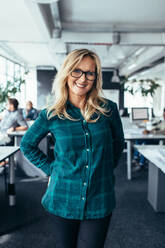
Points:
(145, 86)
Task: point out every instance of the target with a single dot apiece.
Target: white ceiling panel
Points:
(114, 12)
(16, 22)
(42, 34)
(38, 55)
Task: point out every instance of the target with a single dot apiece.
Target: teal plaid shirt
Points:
(82, 178)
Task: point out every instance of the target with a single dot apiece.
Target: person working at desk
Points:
(11, 119)
(89, 140)
(30, 113)
(157, 128)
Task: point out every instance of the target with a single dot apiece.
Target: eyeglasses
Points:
(89, 75)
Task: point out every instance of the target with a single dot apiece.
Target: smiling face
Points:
(79, 87)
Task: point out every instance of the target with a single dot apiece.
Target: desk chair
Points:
(4, 167)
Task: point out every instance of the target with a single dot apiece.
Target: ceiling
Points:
(128, 35)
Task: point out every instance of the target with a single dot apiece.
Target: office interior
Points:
(129, 37)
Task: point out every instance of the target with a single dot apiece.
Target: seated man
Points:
(30, 113)
(11, 119)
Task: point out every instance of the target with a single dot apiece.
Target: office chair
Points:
(4, 166)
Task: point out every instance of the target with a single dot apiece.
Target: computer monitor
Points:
(139, 114)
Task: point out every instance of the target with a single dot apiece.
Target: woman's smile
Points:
(80, 85)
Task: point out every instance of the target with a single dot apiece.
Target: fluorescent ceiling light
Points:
(139, 51)
(132, 66)
(45, 1)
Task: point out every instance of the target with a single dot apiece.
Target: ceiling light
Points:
(115, 37)
(139, 51)
(115, 78)
(132, 66)
(45, 1)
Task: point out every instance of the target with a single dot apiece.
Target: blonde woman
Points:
(89, 140)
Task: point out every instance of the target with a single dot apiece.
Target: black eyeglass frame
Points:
(84, 72)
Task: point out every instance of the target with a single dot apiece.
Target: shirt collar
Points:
(73, 110)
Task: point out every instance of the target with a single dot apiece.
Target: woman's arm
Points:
(117, 134)
(30, 141)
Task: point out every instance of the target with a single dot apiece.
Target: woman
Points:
(89, 140)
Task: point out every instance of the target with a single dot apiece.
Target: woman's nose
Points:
(83, 77)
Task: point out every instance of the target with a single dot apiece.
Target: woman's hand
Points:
(146, 132)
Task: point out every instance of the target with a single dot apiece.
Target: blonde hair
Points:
(95, 104)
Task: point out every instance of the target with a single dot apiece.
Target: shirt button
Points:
(85, 183)
(86, 133)
(86, 166)
(87, 150)
(83, 198)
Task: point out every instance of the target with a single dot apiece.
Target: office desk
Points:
(28, 168)
(156, 174)
(8, 152)
(17, 136)
(136, 134)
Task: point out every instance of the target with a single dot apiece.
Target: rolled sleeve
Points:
(21, 121)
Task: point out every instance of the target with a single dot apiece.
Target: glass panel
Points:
(10, 68)
(22, 71)
(9, 78)
(8, 71)
(2, 65)
(2, 71)
(3, 79)
(17, 71)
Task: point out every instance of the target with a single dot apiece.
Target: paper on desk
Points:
(4, 138)
(134, 130)
(162, 152)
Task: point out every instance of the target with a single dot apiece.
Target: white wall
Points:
(31, 87)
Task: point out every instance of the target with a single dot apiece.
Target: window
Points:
(3, 76)
(9, 71)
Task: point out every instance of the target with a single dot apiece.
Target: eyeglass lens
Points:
(88, 74)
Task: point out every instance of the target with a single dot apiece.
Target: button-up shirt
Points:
(82, 178)
(30, 114)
